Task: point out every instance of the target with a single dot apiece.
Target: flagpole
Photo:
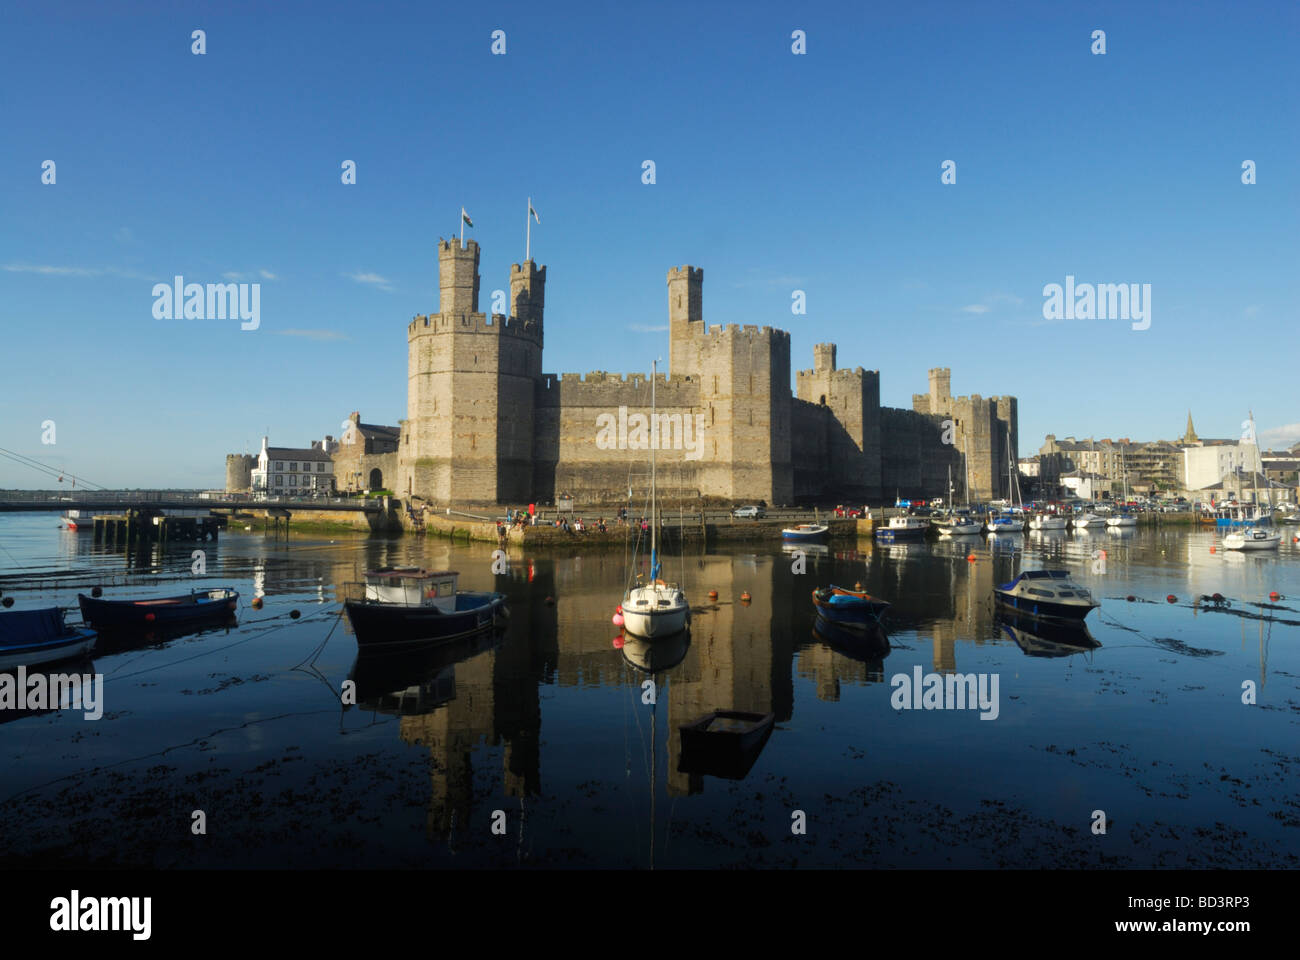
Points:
(528, 229)
(462, 228)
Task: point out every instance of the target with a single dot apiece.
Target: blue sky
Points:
(774, 172)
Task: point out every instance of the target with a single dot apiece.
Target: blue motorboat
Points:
(32, 637)
(1046, 593)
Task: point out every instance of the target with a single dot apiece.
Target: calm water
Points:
(546, 723)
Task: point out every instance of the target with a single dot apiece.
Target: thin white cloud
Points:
(268, 275)
(314, 334)
(51, 271)
(646, 328)
(975, 308)
(370, 279)
(1282, 436)
(232, 275)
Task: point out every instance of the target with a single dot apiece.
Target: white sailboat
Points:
(1123, 518)
(657, 608)
(1008, 521)
(1261, 535)
(957, 523)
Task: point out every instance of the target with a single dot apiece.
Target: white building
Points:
(293, 471)
(1214, 460)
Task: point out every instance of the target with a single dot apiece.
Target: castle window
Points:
(823, 400)
(715, 384)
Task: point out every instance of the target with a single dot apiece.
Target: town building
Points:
(294, 471)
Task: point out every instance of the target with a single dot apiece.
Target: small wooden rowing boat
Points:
(847, 606)
(198, 606)
(724, 743)
(32, 637)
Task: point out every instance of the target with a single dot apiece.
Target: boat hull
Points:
(1044, 609)
(804, 536)
(394, 628)
(210, 606)
(29, 638)
(656, 623)
(847, 606)
(728, 753)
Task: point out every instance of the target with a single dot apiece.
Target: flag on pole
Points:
(465, 217)
(534, 213)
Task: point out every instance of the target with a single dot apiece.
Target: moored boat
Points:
(404, 608)
(29, 638)
(903, 528)
(847, 606)
(724, 743)
(1046, 593)
(1047, 521)
(805, 533)
(1253, 538)
(197, 606)
(1087, 520)
(1003, 523)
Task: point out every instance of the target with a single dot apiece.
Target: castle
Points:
(485, 425)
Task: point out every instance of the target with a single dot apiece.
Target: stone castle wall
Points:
(485, 425)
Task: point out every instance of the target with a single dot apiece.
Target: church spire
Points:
(1190, 436)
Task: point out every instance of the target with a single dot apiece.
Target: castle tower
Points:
(457, 278)
(940, 390)
(824, 357)
(685, 320)
(528, 294)
(468, 436)
(239, 472)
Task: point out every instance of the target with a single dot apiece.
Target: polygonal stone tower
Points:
(685, 320)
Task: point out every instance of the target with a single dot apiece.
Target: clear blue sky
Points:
(775, 172)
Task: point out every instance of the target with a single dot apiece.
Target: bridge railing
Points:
(200, 498)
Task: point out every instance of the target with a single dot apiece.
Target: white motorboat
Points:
(1047, 521)
(1122, 520)
(1086, 520)
(1046, 593)
(1252, 538)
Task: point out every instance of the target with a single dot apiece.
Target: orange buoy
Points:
(970, 558)
(1212, 549)
(858, 586)
(745, 597)
(257, 603)
(1130, 598)
(1275, 596)
(1171, 598)
(713, 594)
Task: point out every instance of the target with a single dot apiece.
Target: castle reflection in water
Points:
(740, 656)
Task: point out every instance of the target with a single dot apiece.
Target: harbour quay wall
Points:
(385, 522)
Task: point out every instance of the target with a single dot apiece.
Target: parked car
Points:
(750, 512)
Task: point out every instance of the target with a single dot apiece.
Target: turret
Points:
(685, 319)
(458, 277)
(528, 294)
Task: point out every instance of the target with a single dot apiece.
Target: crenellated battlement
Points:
(748, 331)
(497, 324)
(686, 272)
(842, 375)
(612, 390)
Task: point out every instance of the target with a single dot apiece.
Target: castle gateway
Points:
(485, 425)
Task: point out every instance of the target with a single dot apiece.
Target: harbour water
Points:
(539, 746)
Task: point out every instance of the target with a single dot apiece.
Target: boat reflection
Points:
(867, 643)
(1045, 638)
(413, 684)
(661, 653)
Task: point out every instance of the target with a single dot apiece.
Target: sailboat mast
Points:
(654, 525)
